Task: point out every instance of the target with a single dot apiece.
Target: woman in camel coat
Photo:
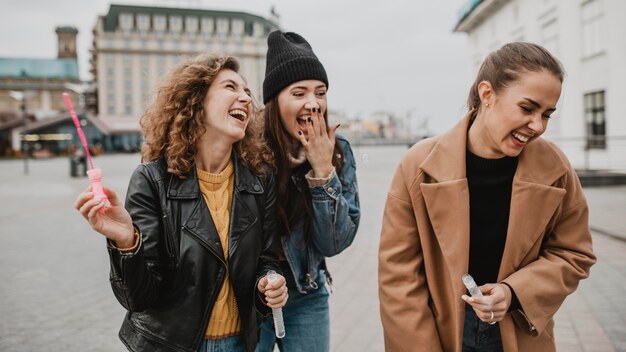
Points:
(527, 236)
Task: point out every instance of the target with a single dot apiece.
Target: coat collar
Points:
(538, 162)
(188, 188)
(198, 221)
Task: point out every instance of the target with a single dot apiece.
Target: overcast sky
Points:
(394, 55)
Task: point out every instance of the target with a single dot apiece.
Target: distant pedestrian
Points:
(492, 198)
(318, 202)
(190, 251)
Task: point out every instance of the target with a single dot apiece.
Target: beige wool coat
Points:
(424, 246)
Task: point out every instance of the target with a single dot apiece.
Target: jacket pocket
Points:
(170, 245)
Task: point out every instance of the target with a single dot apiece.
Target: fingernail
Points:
(90, 194)
(300, 133)
(338, 125)
(309, 119)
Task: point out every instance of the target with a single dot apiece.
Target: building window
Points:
(176, 24)
(126, 21)
(595, 118)
(257, 30)
(143, 22)
(222, 26)
(237, 27)
(207, 25)
(191, 24)
(159, 23)
(592, 28)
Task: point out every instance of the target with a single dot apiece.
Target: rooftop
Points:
(38, 68)
(111, 19)
(474, 12)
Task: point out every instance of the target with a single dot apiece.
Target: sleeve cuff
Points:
(129, 249)
(318, 181)
(515, 305)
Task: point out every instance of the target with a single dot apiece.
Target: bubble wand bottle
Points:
(279, 325)
(94, 174)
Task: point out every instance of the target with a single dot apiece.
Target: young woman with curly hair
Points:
(196, 236)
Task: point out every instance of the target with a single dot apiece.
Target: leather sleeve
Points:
(135, 277)
(268, 260)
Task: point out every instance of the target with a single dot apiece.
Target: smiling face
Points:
(296, 101)
(514, 116)
(227, 107)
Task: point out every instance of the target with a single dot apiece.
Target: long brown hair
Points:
(173, 124)
(293, 196)
(505, 65)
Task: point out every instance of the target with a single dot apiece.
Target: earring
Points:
(486, 105)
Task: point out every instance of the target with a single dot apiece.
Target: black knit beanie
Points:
(290, 59)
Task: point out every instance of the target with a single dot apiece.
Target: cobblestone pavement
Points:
(55, 294)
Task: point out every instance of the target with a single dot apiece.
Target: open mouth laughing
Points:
(238, 114)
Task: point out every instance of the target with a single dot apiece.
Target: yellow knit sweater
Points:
(217, 190)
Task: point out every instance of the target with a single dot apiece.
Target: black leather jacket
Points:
(170, 283)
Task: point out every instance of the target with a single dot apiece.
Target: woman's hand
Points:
(276, 293)
(320, 145)
(493, 305)
(114, 222)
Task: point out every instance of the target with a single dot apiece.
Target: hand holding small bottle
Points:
(113, 221)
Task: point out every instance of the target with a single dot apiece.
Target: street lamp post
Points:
(21, 98)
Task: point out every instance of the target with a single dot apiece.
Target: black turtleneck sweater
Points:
(490, 182)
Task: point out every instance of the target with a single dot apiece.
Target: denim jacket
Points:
(336, 214)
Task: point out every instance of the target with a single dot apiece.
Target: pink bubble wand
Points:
(94, 174)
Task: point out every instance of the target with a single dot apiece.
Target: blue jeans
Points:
(228, 344)
(479, 336)
(307, 323)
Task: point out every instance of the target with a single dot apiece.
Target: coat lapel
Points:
(198, 223)
(534, 200)
(242, 215)
(447, 198)
(449, 215)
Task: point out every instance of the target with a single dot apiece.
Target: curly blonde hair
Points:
(173, 124)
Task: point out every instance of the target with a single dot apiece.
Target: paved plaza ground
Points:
(55, 294)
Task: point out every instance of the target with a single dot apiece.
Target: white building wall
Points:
(616, 82)
(531, 20)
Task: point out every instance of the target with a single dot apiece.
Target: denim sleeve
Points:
(336, 208)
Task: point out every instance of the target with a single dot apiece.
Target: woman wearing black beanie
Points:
(318, 203)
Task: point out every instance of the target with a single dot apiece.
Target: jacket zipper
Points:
(169, 241)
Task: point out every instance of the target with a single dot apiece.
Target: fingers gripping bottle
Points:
(471, 286)
(279, 325)
(95, 177)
